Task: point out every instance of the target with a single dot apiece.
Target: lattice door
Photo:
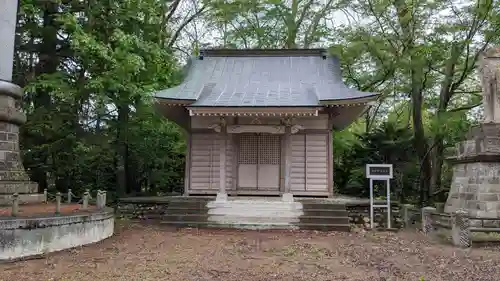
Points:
(259, 161)
(248, 152)
(269, 149)
(248, 157)
(268, 170)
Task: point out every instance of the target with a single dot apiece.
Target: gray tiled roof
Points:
(262, 78)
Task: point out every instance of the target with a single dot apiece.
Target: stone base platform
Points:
(34, 235)
(6, 199)
(25, 189)
(475, 185)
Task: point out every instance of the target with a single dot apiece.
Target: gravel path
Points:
(151, 252)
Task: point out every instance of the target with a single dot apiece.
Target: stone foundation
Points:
(475, 185)
(23, 237)
(6, 199)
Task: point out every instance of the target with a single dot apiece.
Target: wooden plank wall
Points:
(310, 162)
(205, 165)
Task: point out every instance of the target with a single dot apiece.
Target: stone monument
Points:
(13, 177)
(475, 185)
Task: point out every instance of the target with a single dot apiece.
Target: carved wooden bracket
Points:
(217, 127)
(296, 128)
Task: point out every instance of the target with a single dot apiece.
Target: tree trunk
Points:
(122, 150)
(437, 165)
(47, 64)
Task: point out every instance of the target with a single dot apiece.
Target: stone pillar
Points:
(8, 16)
(287, 194)
(13, 178)
(222, 194)
(460, 232)
(427, 227)
(405, 210)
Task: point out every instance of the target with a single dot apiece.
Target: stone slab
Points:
(23, 199)
(11, 187)
(475, 187)
(484, 130)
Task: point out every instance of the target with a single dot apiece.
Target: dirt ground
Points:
(152, 252)
(42, 209)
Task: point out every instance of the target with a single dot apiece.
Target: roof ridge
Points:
(262, 52)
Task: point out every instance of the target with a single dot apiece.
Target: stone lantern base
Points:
(13, 177)
(475, 185)
(27, 192)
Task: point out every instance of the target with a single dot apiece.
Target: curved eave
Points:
(367, 99)
(347, 111)
(173, 101)
(174, 110)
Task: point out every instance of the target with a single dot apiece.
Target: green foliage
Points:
(92, 112)
(388, 143)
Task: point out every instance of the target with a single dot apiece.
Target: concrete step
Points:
(232, 219)
(325, 227)
(323, 220)
(185, 217)
(322, 206)
(193, 204)
(326, 212)
(200, 218)
(227, 225)
(187, 211)
(320, 227)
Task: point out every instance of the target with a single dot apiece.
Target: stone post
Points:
(45, 196)
(104, 199)
(439, 207)
(427, 227)
(460, 231)
(98, 199)
(69, 196)
(58, 203)
(15, 204)
(405, 210)
(85, 203)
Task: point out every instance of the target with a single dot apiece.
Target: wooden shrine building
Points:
(265, 116)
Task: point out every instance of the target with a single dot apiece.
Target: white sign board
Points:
(380, 172)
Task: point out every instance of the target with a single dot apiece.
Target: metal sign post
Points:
(380, 172)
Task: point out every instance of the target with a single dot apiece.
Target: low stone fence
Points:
(459, 226)
(359, 215)
(58, 198)
(23, 235)
(143, 211)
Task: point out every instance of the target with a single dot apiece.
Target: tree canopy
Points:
(88, 67)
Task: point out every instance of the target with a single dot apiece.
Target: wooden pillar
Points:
(288, 164)
(187, 169)
(223, 144)
(330, 155)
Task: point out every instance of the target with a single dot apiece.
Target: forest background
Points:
(88, 68)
